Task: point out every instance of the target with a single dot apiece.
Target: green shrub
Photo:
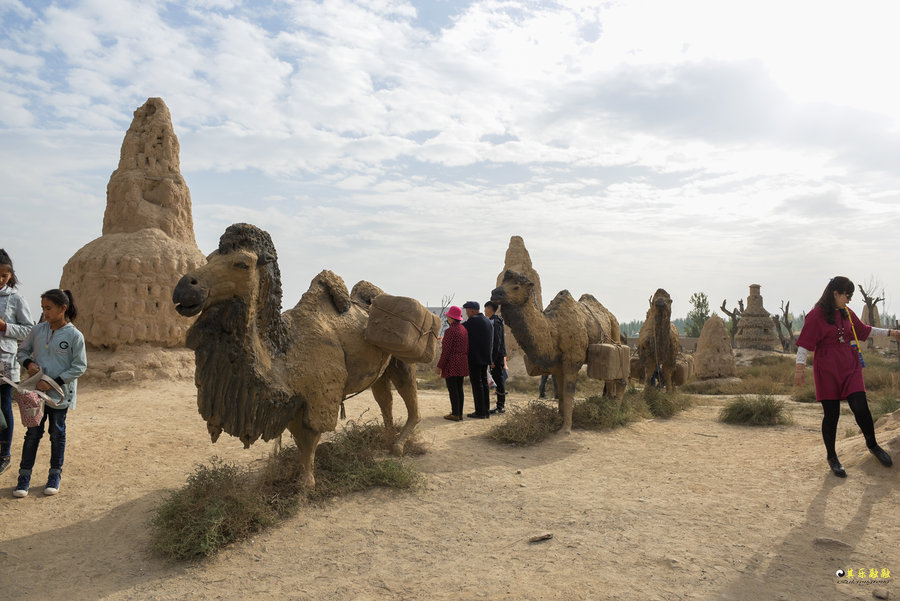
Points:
(762, 410)
(527, 424)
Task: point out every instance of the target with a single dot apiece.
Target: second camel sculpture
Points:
(260, 371)
(556, 340)
(658, 343)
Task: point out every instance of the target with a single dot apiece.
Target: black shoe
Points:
(836, 467)
(879, 453)
(479, 416)
(4, 464)
(500, 410)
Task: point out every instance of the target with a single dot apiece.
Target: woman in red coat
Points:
(831, 331)
(453, 365)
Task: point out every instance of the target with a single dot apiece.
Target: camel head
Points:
(661, 303)
(515, 289)
(244, 265)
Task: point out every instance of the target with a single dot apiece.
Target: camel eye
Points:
(242, 265)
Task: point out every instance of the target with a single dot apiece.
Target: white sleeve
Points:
(802, 354)
(879, 331)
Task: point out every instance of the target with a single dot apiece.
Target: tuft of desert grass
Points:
(527, 424)
(663, 404)
(222, 503)
(761, 410)
(603, 413)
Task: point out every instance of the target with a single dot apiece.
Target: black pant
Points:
(860, 409)
(455, 388)
(497, 375)
(481, 392)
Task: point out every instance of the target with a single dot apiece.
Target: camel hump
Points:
(328, 285)
(364, 292)
(562, 301)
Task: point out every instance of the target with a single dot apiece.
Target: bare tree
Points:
(735, 315)
(787, 342)
(871, 299)
(445, 303)
(870, 311)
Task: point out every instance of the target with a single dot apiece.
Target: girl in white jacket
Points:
(15, 323)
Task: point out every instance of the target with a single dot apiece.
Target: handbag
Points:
(31, 408)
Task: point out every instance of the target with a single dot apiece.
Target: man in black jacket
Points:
(498, 355)
(480, 339)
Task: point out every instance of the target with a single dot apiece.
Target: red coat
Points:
(836, 367)
(454, 359)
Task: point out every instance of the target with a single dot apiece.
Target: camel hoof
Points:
(397, 449)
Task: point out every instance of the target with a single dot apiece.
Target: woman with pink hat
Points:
(453, 365)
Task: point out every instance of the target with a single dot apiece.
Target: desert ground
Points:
(680, 508)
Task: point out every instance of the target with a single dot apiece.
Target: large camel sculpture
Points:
(658, 344)
(259, 371)
(556, 340)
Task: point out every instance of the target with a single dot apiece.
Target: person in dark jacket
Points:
(481, 336)
(453, 365)
(498, 355)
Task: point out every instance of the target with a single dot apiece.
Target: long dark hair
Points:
(5, 260)
(62, 298)
(838, 284)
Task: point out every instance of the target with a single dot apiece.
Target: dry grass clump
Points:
(604, 413)
(223, 503)
(761, 410)
(662, 404)
(527, 424)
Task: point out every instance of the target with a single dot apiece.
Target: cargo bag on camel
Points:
(403, 327)
(608, 361)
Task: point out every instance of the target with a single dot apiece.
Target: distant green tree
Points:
(697, 316)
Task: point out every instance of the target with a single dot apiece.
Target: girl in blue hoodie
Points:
(15, 323)
(57, 347)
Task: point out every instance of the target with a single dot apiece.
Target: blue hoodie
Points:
(60, 353)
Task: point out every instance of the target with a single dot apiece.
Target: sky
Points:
(695, 146)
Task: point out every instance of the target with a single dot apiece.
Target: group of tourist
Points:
(54, 348)
(476, 348)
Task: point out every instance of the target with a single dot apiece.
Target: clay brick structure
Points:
(123, 281)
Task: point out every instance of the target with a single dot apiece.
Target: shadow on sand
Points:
(813, 551)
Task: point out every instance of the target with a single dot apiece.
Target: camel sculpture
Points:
(259, 371)
(658, 344)
(556, 340)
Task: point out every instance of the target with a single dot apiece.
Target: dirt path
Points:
(684, 508)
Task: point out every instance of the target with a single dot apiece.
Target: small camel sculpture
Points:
(259, 371)
(658, 344)
(556, 340)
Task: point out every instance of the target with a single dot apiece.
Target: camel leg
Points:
(381, 390)
(403, 376)
(567, 400)
(307, 440)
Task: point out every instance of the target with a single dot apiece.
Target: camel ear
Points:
(264, 259)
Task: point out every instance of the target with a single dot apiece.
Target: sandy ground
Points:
(681, 508)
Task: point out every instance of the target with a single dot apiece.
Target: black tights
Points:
(860, 409)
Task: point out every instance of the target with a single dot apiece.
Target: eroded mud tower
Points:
(123, 281)
(755, 329)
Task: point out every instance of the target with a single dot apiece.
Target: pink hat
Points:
(454, 312)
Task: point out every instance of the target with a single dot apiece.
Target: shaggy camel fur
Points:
(556, 340)
(658, 344)
(259, 371)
